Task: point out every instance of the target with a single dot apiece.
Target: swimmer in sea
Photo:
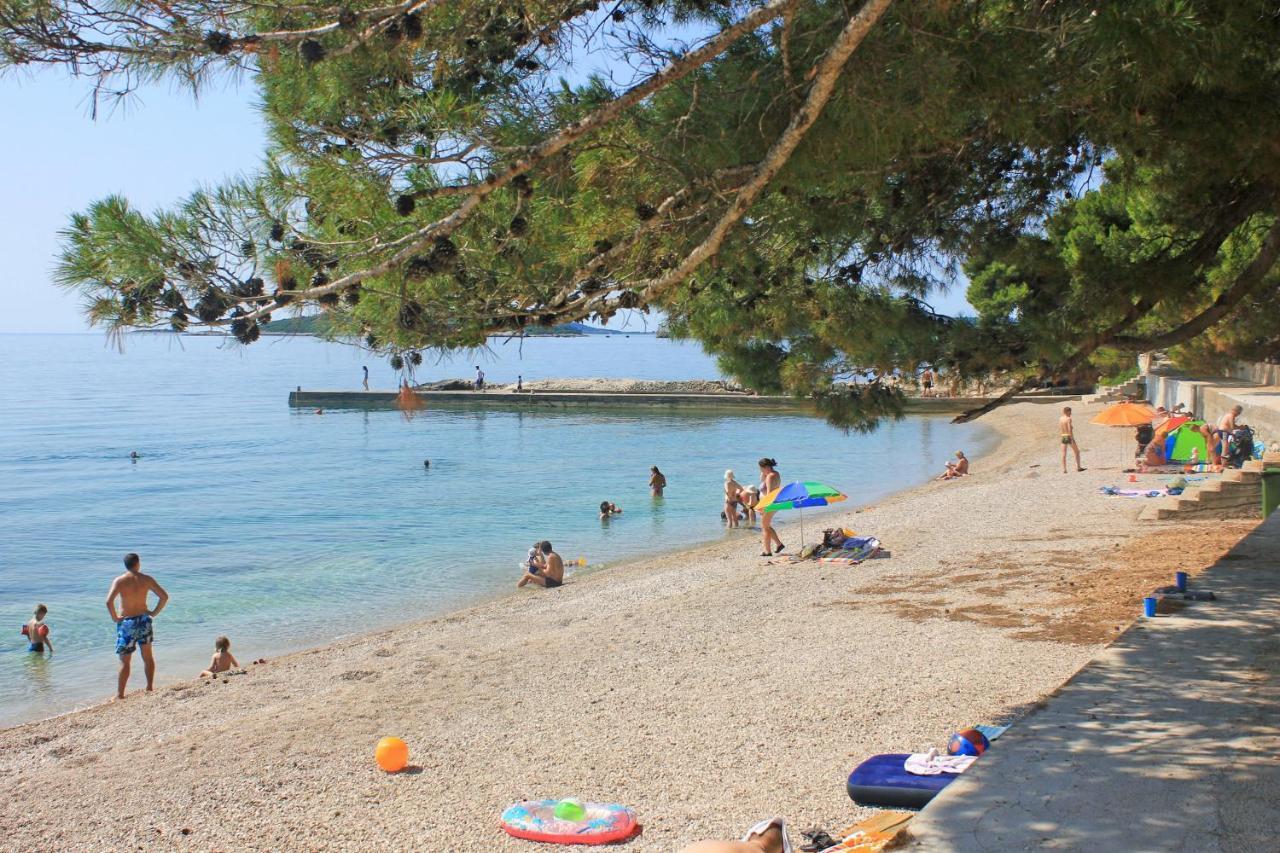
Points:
(657, 482)
(37, 632)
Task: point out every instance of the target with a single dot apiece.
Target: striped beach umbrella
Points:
(798, 496)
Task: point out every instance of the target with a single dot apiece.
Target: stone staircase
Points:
(1236, 493)
(1115, 393)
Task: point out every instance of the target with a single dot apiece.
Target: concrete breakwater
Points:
(337, 399)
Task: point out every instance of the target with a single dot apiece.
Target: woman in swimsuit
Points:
(657, 482)
(770, 479)
(731, 489)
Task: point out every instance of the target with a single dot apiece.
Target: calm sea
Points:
(283, 529)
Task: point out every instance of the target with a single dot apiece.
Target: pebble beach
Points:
(705, 688)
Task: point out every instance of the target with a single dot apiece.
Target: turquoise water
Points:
(283, 529)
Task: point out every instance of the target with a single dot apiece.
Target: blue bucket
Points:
(1149, 606)
(1180, 579)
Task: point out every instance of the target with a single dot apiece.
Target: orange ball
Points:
(392, 754)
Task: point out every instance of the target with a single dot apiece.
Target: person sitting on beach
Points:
(732, 490)
(608, 509)
(956, 469)
(222, 659)
(767, 836)
(549, 572)
(37, 633)
(657, 482)
(1153, 455)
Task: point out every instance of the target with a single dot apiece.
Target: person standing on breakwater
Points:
(365, 368)
(770, 479)
(657, 482)
(519, 383)
(479, 385)
(1067, 429)
(133, 623)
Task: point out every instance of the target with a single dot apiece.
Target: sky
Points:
(154, 149)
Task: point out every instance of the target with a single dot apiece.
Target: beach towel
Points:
(872, 834)
(992, 732)
(858, 549)
(1201, 468)
(850, 552)
(933, 763)
(1117, 492)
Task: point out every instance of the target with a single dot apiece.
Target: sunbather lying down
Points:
(767, 836)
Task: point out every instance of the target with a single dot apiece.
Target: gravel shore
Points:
(707, 688)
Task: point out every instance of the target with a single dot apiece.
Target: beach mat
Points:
(872, 834)
(882, 780)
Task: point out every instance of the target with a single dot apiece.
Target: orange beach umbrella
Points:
(1125, 415)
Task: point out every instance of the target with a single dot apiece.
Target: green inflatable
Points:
(1180, 443)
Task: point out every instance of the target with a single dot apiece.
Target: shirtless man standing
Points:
(133, 622)
(1068, 438)
(1222, 435)
(550, 569)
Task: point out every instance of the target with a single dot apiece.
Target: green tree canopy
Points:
(790, 182)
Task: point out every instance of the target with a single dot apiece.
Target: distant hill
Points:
(311, 324)
(319, 324)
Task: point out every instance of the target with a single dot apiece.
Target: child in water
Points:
(222, 659)
(608, 509)
(37, 633)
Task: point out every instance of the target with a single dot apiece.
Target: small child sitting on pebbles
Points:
(222, 661)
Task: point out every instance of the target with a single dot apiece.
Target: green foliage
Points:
(1102, 173)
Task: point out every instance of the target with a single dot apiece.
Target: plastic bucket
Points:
(1148, 606)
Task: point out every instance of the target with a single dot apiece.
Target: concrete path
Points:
(1169, 741)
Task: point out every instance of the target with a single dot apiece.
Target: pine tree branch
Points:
(825, 75)
(1245, 283)
(675, 70)
(1189, 263)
